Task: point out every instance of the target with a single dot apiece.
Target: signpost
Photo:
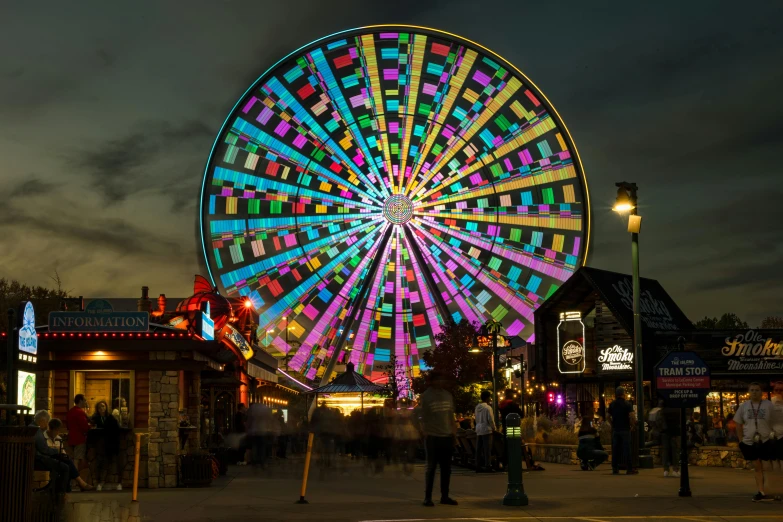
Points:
(683, 381)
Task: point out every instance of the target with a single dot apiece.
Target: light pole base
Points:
(515, 499)
(645, 462)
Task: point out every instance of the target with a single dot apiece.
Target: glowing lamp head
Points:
(623, 203)
(248, 303)
(559, 399)
(551, 397)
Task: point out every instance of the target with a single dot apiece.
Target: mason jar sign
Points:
(570, 343)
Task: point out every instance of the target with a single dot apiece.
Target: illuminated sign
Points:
(99, 316)
(615, 359)
(751, 351)
(231, 335)
(207, 325)
(570, 339)
(25, 389)
(28, 337)
(573, 353)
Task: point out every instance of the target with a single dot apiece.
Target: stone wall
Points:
(163, 448)
(705, 456)
(194, 411)
(44, 392)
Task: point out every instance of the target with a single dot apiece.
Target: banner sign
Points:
(25, 389)
(233, 336)
(682, 379)
(99, 316)
(28, 337)
(206, 324)
(753, 352)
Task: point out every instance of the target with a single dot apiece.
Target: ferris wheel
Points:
(377, 182)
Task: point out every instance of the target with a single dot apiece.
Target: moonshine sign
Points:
(753, 352)
(615, 359)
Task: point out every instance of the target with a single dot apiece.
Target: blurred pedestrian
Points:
(437, 418)
(485, 427)
(670, 442)
(259, 429)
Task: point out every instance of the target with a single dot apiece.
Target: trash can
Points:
(17, 453)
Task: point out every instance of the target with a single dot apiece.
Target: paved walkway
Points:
(560, 493)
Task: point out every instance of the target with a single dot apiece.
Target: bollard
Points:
(515, 494)
(306, 468)
(135, 497)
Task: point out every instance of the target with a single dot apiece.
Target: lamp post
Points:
(493, 327)
(287, 348)
(627, 202)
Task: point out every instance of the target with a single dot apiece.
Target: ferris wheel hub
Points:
(398, 209)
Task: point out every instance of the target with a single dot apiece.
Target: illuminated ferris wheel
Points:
(379, 181)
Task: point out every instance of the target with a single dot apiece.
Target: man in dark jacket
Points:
(48, 459)
(621, 410)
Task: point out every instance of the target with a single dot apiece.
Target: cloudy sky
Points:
(108, 111)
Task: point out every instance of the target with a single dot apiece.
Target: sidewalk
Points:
(561, 492)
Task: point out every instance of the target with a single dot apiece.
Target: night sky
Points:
(108, 112)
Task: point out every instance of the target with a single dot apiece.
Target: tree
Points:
(396, 379)
(728, 321)
(452, 357)
(772, 322)
(45, 300)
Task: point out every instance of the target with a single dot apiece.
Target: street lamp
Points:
(627, 202)
(492, 327)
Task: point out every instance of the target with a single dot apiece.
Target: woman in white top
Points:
(754, 420)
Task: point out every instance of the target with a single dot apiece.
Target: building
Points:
(174, 371)
(584, 339)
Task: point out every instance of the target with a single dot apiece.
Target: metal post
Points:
(287, 346)
(306, 469)
(10, 360)
(685, 484)
(515, 493)
(637, 342)
(135, 496)
(494, 378)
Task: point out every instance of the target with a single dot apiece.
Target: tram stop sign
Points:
(682, 380)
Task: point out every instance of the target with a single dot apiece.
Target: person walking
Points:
(670, 442)
(485, 428)
(754, 420)
(78, 427)
(590, 451)
(108, 444)
(240, 429)
(438, 422)
(621, 413)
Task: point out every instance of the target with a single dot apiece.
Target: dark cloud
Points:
(30, 188)
(121, 167)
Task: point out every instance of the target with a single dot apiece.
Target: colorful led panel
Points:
(376, 182)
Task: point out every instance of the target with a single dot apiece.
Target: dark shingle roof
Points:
(350, 382)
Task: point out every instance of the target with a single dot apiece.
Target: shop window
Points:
(111, 387)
